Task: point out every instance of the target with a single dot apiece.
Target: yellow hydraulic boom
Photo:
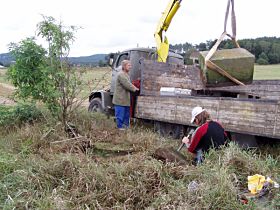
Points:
(165, 20)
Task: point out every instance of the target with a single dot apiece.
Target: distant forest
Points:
(93, 60)
(265, 49)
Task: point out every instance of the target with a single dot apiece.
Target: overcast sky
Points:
(114, 25)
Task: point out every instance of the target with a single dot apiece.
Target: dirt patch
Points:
(84, 146)
(110, 153)
(7, 86)
(6, 101)
(170, 155)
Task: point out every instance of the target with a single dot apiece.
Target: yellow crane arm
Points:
(165, 20)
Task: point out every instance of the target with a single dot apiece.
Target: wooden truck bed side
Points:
(248, 116)
(265, 89)
(258, 115)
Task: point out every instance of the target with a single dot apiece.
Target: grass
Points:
(95, 79)
(3, 77)
(267, 72)
(6, 91)
(5, 86)
(39, 171)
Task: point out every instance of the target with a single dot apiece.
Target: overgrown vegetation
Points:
(13, 116)
(41, 167)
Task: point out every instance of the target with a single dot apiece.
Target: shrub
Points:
(18, 115)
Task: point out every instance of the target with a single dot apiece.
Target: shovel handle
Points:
(181, 146)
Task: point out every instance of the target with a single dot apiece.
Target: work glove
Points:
(186, 141)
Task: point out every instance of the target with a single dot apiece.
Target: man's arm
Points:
(126, 83)
(201, 131)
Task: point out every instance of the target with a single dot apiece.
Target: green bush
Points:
(5, 115)
(16, 116)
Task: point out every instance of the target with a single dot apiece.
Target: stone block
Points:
(238, 62)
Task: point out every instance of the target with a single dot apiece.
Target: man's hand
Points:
(186, 141)
(136, 92)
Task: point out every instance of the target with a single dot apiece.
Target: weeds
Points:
(38, 173)
(11, 117)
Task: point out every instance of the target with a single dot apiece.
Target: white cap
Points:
(196, 111)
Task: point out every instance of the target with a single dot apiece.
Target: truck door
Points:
(117, 68)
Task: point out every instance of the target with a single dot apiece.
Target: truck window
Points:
(121, 58)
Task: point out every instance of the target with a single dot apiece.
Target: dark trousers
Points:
(122, 115)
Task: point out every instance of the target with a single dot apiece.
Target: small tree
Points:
(44, 74)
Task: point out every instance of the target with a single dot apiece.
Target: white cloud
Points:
(115, 25)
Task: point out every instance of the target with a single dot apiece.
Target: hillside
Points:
(92, 60)
(88, 60)
(6, 59)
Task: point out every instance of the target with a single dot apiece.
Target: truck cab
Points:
(101, 101)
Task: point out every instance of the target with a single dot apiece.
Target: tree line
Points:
(265, 49)
(6, 59)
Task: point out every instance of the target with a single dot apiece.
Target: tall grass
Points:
(41, 167)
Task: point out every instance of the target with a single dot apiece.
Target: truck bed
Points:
(248, 116)
(264, 89)
(251, 109)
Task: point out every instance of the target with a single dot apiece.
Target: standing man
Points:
(121, 98)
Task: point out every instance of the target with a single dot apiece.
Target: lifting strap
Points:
(208, 62)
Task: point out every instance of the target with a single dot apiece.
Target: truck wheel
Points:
(169, 130)
(95, 105)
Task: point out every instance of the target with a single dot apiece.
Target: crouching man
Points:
(209, 134)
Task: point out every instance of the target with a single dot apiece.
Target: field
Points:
(267, 72)
(42, 167)
(3, 77)
(93, 79)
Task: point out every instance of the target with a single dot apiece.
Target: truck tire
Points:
(169, 130)
(95, 105)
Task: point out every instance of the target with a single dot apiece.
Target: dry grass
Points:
(95, 79)
(6, 90)
(109, 169)
(3, 77)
